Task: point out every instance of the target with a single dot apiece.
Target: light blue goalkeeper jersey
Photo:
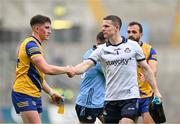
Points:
(92, 87)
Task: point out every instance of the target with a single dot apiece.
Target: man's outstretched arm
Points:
(46, 68)
(81, 68)
(149, 75)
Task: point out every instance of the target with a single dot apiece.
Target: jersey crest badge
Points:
(127, 50)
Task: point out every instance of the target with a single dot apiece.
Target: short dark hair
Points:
(100, 37)
(138, 24)
(115, 19)
(39, 19)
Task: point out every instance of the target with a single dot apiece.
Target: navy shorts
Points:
(23, 102)
(88, 115)
(144, 104)
(114, 111)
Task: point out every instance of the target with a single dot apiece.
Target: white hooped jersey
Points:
(119, 63)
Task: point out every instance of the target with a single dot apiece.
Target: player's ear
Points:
(35, 28)
(141, 34)
(117, 27)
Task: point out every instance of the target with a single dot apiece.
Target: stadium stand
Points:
(14, 26)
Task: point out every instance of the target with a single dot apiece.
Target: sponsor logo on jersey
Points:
(121, 61)
(34, 50)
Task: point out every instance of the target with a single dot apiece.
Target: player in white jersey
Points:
(119, 58)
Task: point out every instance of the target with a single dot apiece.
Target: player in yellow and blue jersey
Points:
(30, 72)
(135, 32)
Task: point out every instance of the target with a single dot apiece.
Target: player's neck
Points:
(37, 37)
(115, 40)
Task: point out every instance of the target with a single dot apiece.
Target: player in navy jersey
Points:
(119, 57)
(90, 100)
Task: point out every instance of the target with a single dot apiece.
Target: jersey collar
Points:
(94, 47)
(140, 43)
(36, 39)
(124, 40)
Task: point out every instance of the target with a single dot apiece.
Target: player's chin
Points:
(46, 38)
(132, 38)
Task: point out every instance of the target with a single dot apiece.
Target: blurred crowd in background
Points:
(75, 24)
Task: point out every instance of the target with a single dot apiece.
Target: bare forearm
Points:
(54, 96)
(149, 75)
(47, 89)
(82, 67)
(153, 66)
(55, 70)
(46, 68)
(151, 79)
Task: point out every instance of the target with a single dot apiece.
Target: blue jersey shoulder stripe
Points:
(32, 48)
(153, 55)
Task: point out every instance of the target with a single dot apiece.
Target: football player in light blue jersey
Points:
(90, 101)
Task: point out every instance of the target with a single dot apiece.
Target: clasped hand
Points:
(70, 71)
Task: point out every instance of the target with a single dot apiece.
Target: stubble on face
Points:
(133, 38)
(133, 33)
